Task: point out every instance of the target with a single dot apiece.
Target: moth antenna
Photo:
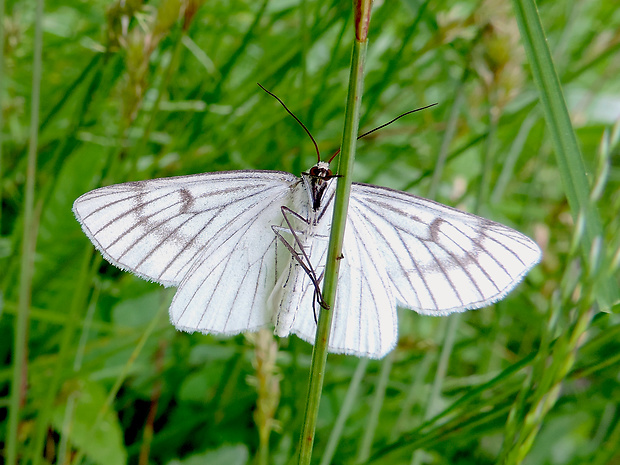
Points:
(316, 147)
(384, 125)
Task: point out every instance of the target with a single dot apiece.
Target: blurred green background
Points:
(134, 90)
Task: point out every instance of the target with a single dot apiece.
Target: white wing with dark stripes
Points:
(208, 234)
(439, 260)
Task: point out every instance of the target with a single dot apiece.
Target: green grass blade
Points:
(20, 338)
(568, 155)
(1, 86)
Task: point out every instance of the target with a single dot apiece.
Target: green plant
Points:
(168, 88)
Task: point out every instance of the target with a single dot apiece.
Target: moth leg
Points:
(300, 257)
(318, 299)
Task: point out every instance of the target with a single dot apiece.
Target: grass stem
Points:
(345, 170)
(20, 339)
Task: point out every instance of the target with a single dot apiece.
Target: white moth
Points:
(211, 236)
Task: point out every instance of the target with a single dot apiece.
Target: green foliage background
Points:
(134, 90)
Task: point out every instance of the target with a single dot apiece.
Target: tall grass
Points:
(148, 90)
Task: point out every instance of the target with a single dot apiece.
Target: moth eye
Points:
(314, 171)
(329, 174)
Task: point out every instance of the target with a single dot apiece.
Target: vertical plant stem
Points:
(1, 93)
(20, 338)
(341, 204)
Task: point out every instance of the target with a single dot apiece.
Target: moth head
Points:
(321, 172)
(317, 179)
